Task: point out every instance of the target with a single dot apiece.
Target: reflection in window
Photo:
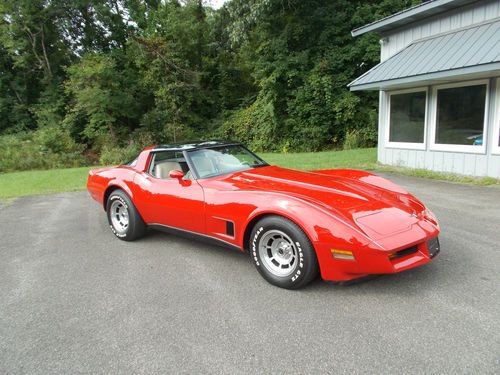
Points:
(407, 117)
(460, 115)
(221, 160)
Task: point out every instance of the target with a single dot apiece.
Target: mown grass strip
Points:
(17, 184)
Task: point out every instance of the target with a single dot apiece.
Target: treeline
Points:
(90, 81)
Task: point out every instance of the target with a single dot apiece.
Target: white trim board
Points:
(405, 145)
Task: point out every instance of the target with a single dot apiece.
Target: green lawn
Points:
(364, 158)
(19, 184)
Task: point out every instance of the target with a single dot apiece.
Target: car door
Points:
(175, 203)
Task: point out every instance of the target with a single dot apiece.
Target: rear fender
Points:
(114, 185)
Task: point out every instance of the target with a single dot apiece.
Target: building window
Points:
(407, 113)
(460, 117)
(495, 149)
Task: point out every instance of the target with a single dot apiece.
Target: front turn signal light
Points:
(342, 254)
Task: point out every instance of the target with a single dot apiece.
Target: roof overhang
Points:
(470, 52)
(462, 74)
(412, 14)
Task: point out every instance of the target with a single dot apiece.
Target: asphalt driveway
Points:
(74, 299)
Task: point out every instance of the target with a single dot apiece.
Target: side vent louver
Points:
(230, 228)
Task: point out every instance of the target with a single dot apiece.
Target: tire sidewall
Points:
(125, 200)
(306, 255)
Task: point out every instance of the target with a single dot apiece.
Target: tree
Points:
(105, 73)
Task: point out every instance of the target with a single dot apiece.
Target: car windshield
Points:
(221, 160)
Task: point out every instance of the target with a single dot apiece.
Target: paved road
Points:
(74, 299)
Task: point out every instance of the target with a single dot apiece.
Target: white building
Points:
(439, 83)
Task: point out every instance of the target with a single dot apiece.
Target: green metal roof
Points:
(465, 52)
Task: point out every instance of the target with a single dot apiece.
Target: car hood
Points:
(376, 210)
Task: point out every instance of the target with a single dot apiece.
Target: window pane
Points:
(407, 117)
(460, 115)
(222, 160)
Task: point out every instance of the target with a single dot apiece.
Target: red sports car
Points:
(344, 224)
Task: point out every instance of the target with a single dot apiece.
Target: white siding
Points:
(450, 162)
(487, 164)
(465, 16)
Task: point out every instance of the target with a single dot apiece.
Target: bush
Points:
(256, 126)
(360, 138)
(49, 147)
(118, 155)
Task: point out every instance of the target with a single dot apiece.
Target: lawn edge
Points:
(439, 176)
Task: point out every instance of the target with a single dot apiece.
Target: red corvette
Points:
(344, 224)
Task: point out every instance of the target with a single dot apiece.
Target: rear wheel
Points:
(123, 217)
(282, 253)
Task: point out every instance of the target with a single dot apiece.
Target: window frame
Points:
(495, 142)
(406, 145)
(433, 146)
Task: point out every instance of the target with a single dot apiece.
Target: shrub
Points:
(49, 147)
(118, 155)
(360, 138)
(256, 126)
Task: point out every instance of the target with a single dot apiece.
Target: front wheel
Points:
(123, 217)
(282, 253)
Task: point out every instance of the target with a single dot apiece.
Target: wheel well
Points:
(107, 193)
(248, 230)
(251, 224)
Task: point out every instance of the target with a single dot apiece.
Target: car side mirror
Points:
(175, 173)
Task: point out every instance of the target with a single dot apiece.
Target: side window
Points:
(163, 162)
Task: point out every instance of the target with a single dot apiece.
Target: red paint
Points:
(338, 209)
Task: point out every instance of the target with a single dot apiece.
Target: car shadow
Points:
(193, 245)
(410, 282)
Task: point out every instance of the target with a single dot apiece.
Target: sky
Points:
(216, 4)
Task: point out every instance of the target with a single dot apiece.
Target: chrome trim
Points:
(196, 234)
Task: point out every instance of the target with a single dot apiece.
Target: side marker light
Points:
(342, 254)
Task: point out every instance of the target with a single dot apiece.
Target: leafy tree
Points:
(104, 98)
(108, 76)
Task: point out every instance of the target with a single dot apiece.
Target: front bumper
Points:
(369, 261)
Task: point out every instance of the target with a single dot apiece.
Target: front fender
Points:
(324, 229)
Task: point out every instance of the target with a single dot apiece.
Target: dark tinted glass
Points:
(407, 117)
(460, 115)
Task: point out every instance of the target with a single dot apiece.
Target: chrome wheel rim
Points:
(119, 216)
(278, 253)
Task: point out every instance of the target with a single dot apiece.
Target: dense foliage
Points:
(90, 79)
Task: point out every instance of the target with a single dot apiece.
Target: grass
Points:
(17, 184)
(424, 173)
(363, 158)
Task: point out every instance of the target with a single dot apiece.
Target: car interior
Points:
(208, 163)
(163, 163)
